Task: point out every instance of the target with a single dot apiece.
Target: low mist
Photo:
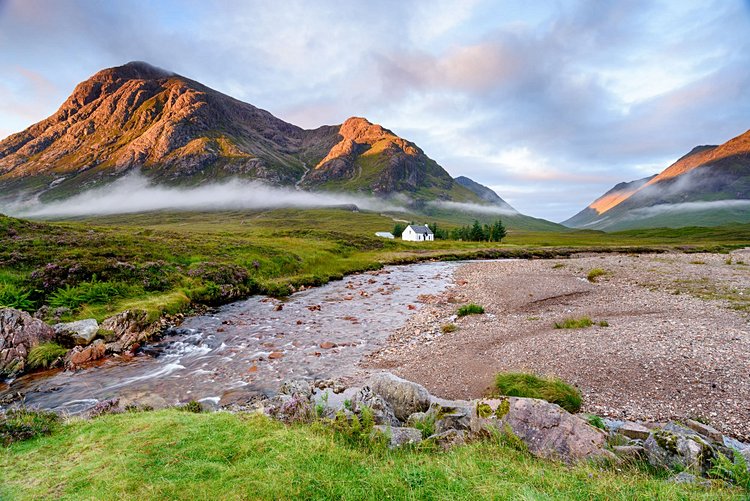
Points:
(687, 207)
(135, 193)
(473, 208)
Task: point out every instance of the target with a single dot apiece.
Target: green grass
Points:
(576, 323)
(448, 328)
(43, 355)
(470, 309)
(179, 455)
(595, 274)
(517, 384)
(17, 425)
(164, 262)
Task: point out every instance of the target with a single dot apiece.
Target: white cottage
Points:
(418, 233)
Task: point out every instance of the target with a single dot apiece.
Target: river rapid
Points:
(248, 348)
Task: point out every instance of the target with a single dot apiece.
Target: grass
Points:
(595, 274)
(180, 455)
(575, 323)
(556, 391)
(17, 425)
(447, 328)
(470, 309)
(44, 355)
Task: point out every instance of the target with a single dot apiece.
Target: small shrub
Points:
(93, 292)
(603, 323)
(735, 471)
(44, 355)
(697, 262)
(449, 328)
(470, 309)
(12, 296)
(426, 425)
(22, 424)
(191, 406)
(595, 421)
(595, 274)
(558, 266)
(574, 323)
(553, 390)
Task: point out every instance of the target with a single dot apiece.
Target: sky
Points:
(549, 103)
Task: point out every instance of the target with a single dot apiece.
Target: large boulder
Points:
(546, 429)
(79, 333)
(382, 412)
(404, 397)
(676, 447)
(128, 329)
(19, 332)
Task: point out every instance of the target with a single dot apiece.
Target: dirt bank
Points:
(677, 344)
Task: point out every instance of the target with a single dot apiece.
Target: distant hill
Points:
(707, 187)
(483, 192)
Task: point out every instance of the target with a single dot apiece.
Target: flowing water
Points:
(250, 347)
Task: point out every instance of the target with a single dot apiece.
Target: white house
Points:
(418, 233)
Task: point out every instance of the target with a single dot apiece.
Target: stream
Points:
(250, 347)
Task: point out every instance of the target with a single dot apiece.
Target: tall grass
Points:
(556, 391)
(44, 355)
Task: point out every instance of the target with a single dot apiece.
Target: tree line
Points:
(476, 232)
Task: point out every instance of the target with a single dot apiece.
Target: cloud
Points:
(679, 208)
(134, 193)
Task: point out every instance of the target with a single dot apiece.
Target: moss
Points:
(503, 409)
(666, 440)
(484, 410)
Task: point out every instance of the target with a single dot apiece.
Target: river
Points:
(250, 347)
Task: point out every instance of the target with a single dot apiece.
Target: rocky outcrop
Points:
(676, 447)
(79, 333)
(398, 437)
(80, 356)
(128, 329)
(546, 429)
(19, 332)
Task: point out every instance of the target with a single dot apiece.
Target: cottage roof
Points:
(420, 229)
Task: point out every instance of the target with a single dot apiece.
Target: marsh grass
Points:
(595, 274)
(44, 355)
(556, 391)
(575, 323)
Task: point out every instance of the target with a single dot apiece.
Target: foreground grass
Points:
(177, 455)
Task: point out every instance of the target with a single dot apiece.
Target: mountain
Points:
(484, 192)
(178, 131)
(709, 186)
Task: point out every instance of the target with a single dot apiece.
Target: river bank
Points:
(677, 344)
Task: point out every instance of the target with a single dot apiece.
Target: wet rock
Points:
(80, 356)
(705, 430)
(19, 332)
(79, 333)
(398, 437)
(545, 428)
(300, 387)
(382, 412)
(449, 439)
(631, 452)
(634, 431)
(676, 447)
(129, 328)
(142, 400)
(403, 396)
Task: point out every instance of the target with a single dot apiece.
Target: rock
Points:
(80, 333)
(142, 400)
(676, 447)
(688, 478)
(382, 412)
(276, 355)
(546, 429)
(403, 396)
(629, 451)
(449, 439)
(19, 332)
(300, 387)
(451, 415)
(706, 430)
(634, 430)
(79, 355)
(398, 437)
(129, 328)
(327, 345)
